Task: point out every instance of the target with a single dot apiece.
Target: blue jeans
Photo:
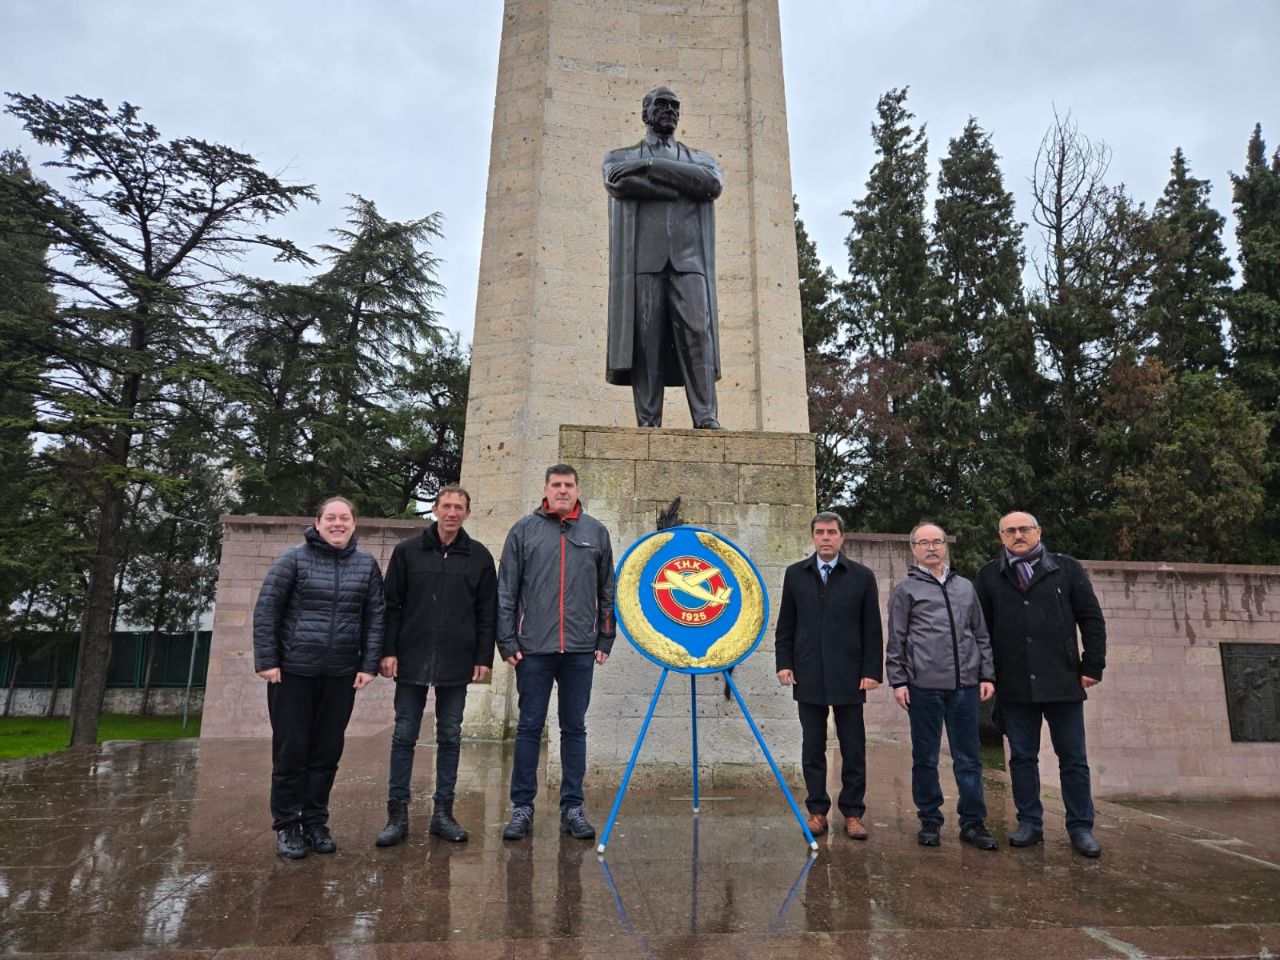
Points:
(572, 674)
(411, 700)
(1066, 730)
(958, 709)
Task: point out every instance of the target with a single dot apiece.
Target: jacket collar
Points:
(918, 572)
(314, 539)
(813, 563)
(544, 509)
(431, 540)
(1046, 565)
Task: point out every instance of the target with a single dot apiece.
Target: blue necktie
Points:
(826, 572)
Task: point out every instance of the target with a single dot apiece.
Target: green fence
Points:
(39, 657)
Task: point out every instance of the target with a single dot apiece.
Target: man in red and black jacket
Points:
(555, 625)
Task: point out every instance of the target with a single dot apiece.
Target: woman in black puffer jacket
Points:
(317, 639)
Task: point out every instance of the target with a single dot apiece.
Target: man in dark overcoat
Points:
(830, 651)
(1035, 602)
(663, 325)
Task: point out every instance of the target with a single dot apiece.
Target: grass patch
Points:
(992, 756)
(32, 736)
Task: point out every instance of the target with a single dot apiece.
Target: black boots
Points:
(397, 827)
(290, 844)
(443, 825)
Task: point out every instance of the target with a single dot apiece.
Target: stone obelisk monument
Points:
(571, 76)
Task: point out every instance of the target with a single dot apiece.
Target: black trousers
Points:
(673, 308)
(852, 735)
(308, 728)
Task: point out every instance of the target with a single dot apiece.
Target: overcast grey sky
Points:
(352, 97)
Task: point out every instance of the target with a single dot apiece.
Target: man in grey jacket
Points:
(939, 665)
(555, 625)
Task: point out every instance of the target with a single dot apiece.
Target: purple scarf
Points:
(1025, 565)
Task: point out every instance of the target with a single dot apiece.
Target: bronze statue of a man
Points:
(663, 328)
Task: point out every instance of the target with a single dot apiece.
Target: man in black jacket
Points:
(830, 650)
(442, 602)
(1034, 601)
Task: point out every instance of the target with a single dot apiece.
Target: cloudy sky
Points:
(354, 97)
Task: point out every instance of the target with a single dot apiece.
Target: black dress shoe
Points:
(928, 835)
(707, 425)
(976, 835)
(1084, 844)
(1026, 836)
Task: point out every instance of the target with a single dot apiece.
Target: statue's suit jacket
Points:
(686, 198)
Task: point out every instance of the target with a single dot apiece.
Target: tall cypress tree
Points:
(888, 245)
(986, 387)
(1190, 281)
(1255, 315)
(1255, 308)
(884, 320)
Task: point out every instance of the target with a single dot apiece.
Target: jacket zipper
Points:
(333, 608)
(562, 550)
(955, 643)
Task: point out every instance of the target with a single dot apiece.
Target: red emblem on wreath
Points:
(691, 591)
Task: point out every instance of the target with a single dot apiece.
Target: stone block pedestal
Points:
(757, 489)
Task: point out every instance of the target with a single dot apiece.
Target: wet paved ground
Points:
(165, 849)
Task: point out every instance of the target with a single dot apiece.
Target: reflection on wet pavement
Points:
(167, 847)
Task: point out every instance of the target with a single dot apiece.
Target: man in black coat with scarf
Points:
(442, 613)
(829, 648)
(1034, 601)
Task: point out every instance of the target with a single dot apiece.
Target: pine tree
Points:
(985, 388)
(345, 383)
(1184, 461)
(142, 235)
(1255, 316)
(1190, 280)
(819, 295)
(1255, 308)
(883, 319)
(888, 245)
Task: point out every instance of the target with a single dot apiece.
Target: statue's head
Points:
(660, 111)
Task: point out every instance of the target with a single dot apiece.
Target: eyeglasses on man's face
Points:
(1014, 531)
(929, 544)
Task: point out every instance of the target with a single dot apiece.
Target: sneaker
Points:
(573, 821)
(289, 843)
(976, 835)
(319, 839)
(928, 835)
(520, 825)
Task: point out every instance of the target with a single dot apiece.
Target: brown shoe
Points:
(817, 824)
(853, 828)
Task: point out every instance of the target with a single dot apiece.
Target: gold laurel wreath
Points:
(724, 651)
